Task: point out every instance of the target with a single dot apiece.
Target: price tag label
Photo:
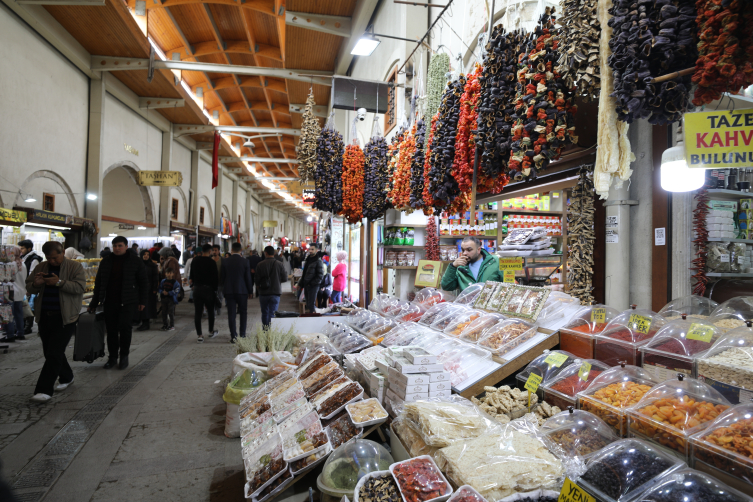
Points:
(599, 315)
(509, 276)
(639, 323)
(556, 359)
(573, 493)
(700, 332)
(584, 370)
(533, 382)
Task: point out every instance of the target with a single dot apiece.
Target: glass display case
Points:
(577, 336)
(562, 390)
(691, 306)
(623, 336)
(728, 365)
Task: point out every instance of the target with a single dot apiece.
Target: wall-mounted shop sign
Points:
(511, 263)
(125, 226)
(160, 178)
(269, 224)
(719, 139)
(42, 216)
(309, 196)
(12, 216)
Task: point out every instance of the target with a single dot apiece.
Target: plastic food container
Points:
(577, 336)
(570, 417)
(306, 438)
(562, 390)
(466, 363)
(369, 411)
(507, 335)
(692, 306)
(461, 322)
(438, 311)
(468, 296)
(474, 331)
(264, 465)
(307, 463)
(621, 339)
(728, 365)
(442, 321)
(404, 334)
(688, 484)
(430, 296)
(377, 331)
(277, 486)
(625, 469)
(397, 307)
(498, 297)
(673, 410)
(721, 449)
(676, 346)
(466, 493)
(377, 304)
(733, 313)
(548, 365)
(609, 396)
(485, 294)
(579, 439)
(414, 313)
(556, 305)
(387, 475)
(349, 463)
(336, 403)
(341, 430)
(420, 480)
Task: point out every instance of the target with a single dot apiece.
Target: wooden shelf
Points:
(729, 194)
(525, 211)
(729, 275)
(402, 247)
(722, 239)
(489, 237)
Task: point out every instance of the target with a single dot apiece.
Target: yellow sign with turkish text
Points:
(573, 493)
(160, 178)
(719, 139)
(511, 263)
(509, 277)
(12, 215)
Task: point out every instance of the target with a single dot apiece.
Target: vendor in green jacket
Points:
(472, 266)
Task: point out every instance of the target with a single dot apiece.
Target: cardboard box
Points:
(419, 356)
(410, 389)
(410, 397)
(377, 381)
(437, 386)
(382, 365)
(440, 393)
(398, 378)
(405, 366)
(443, 376)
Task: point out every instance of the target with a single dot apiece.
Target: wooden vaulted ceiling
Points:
(237, 32)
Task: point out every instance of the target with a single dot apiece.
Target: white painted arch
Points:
(52, 176)
(146, 196)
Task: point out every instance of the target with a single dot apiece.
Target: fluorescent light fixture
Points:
(113, 235)
(30, 198)
(365, 46)
(91, 196)
(54, 227)
(141, 228)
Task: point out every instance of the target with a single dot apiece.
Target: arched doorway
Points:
(47, 182)
(125, 202)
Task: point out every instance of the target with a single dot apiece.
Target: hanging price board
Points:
(584, 370)
(556, 359)
(599, 315)
(700, 332)
(639, 323)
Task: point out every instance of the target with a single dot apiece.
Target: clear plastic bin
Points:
(555, 306)
(444, 320)
(562, 390)
(413, 313)
(498, 297)
(506, 335)
(469, 294)
(722, 448)
(430, 296)
(402, 334)
(613, 392)
(349, 463)
(570, 417)
(688, 484)
(579, 439)
(465, 363)
(394, 309)
(621, 339)
(577, 336)
(674, 410)
(548, 365)
(728, 365)
(676, 346)
(485, 294)
(461, 322)
(376, 304)
(692, 306)
(439, 310)
(474, 331)
(733, 313)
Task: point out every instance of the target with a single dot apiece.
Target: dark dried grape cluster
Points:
(329, 170)
(378, 179)
(443, 187)
(417, 168)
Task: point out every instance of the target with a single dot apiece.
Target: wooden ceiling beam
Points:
(263, 6)
(334, 25)
(231, 46)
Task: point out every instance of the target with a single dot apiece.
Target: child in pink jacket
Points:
(339, 276)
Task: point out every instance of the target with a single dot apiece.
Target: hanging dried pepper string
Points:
(353, 183)
(376, 178)
(462, 168)
(432, 240)
(442, 185)
(701, 239)
(428, 199)
(400, 194)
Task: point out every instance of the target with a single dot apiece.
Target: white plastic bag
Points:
(244, 362)
(232, 421)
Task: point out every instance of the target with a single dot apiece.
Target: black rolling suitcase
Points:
(90, 336)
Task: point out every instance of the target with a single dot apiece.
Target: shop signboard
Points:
(309, 196)
(511, 263)
(429, 273)
(719, 139)
(12, 215)
(269, 224)
(160, 178)
(42, 216)
(125, 226)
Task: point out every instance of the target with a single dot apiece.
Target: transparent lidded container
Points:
(469, 294)
(357, 314)
(485, 294)
(728, 365)
(721, 449)
(689, 484)
(691, 305)
(402, 334)
(544, 369)
(625, 469)
(444, 320)
(429, 297)
(466, 363)
(569, 417)
(323, 343)
(498, 297)
(621, 339)
(412, 313)
(555, 306)
(441, 309)
(733, 313)
(577, 336)
(376, 303)
(506, 335)
(612, 392)
(352, 461)
(377, 331)
(397, 307)
(475, 330)
(677, 345)
(462, 321)
(579, 438)
(562, 390)
(387, 304)
(674, 410)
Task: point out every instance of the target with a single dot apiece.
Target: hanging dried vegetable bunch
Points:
(496, 108)
(436, 82)
(653, 40)
(328, 177)
(701, 240)
(417, 168)
(432, 240)
(544, 109)
(465, 142)
(353, 183)
(443, 188)
(400, 194)
(306, 149)
(428, 199)
(580, 236)
(725, 49)
(579, 47)
(376, 178)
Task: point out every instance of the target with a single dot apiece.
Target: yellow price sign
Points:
(509, 276)
(700, 332)
(584, 370)
(511, 263)
(573, 493)
(639, 323)
(556, 359)
(533, 382)
(599, 315)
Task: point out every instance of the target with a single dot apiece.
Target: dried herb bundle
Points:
(580, 236)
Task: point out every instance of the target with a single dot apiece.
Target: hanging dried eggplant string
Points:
(432, 240)
(581, 238)
(701, 240)
(442, 186)
(306, 149)
(417, 168)
(328, 179)
(579, 47)
(377, 175)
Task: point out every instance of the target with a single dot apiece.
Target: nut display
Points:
(420, 480)
(580, 441)
(306, 149)
(733, 366)
(379, 489)
(353, 183)
(505, 336)
(366, 411)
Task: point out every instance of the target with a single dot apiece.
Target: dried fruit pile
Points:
(353, 183)
(400, 194)
(306, 149)
(432, 240)
(377, 178)
(581, 237)
(579, 54)
(417, 167)
(443, 188)
(328, 180)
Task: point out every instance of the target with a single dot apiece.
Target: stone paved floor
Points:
(154, 432)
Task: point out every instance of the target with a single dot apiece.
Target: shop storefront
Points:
(42, 226)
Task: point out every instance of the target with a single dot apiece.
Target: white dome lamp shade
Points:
(676, 176)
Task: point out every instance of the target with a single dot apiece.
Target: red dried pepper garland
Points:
(353, 183)
(700, 213)
(428, 199)
(432, 240)
(462, 169)
(400, 194)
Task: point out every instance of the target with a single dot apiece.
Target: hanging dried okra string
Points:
(306, 149)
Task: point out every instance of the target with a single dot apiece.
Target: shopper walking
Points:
(15, 329)
(253, 262)
(286, 263)
(59, 285)
(169, 289)
(30, 260)
(204, 281)
(155, 251)
(313, 272)
(236, 277)
(153, 280)
(270, 274)
(122, 287)
(339, 276)
(176, 251)
(217, 257)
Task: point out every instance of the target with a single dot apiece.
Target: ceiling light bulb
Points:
(141, 228)
(249, 144)
(91, 196)
(365, 46)
(676, 176)
(30, 198)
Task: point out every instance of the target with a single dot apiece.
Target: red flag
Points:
(215, 160)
